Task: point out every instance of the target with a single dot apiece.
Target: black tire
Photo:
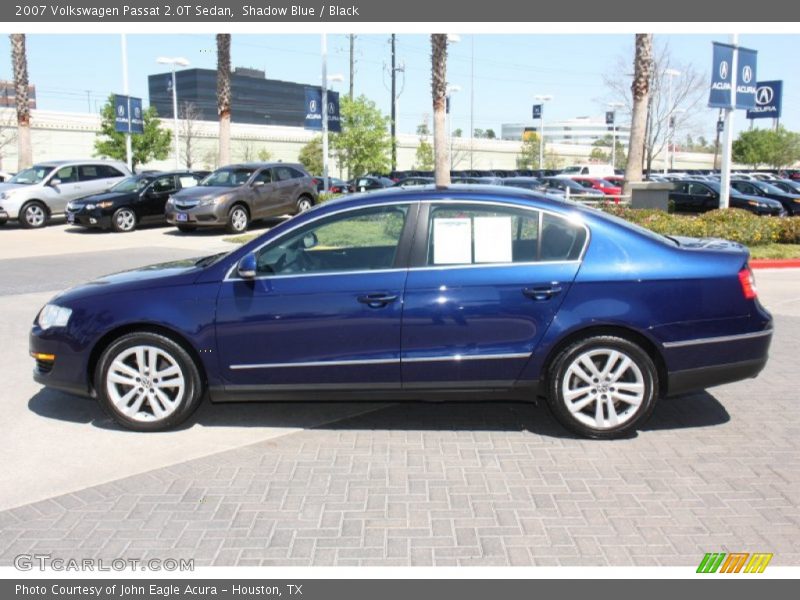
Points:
(3, 222)
(33, 215)
(238, 219)
(186, 398)
(642, 374)
(304, 203)
(186, 228)
(124, 220)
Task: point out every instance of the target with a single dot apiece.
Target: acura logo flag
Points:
(722, 75)
(768, 100)
(314, 110)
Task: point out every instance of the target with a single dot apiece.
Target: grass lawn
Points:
(775, 251)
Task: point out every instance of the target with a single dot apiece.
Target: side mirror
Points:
(247, 266)
(258, 183)
(310, 240)
(55, 182)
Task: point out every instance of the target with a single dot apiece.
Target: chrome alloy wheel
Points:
(145, 383)
(34, 215)
(303, 205)
(239, 219)
(603, 388)
(125, 220)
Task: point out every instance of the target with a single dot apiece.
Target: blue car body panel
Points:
(455, 328)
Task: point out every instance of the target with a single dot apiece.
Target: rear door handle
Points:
(544, 292)
(377, 300)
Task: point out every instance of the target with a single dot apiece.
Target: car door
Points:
(285, 185)
(64, 186)
(94, 179)
(325, 307)
(484, 284)
(264, 194)
(154, 198)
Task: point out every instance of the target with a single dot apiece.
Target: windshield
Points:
(228, 177)
(32, 175)
(572, 170)
(131, 184)
(769, 188)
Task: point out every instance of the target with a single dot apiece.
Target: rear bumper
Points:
(717, 360)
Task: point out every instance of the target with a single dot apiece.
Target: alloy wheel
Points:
(125, 220)
(145, 383)
(35, 215)
(239, 219)
(603, 388)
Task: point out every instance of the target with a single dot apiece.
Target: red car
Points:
(604, 185)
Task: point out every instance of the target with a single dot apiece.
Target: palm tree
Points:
(439, 93)
(20, 62)
(224, 96)
(640, 88)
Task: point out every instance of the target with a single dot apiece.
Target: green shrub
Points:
(732, 224)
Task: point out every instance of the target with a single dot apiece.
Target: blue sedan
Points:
(417, 294)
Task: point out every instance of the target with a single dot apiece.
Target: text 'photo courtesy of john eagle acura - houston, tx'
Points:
(460, 292)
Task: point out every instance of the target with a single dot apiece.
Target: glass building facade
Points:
(255, 99)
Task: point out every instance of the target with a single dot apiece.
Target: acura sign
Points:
(768, 100)
(721, 85)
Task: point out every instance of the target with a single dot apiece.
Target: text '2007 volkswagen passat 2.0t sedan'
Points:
(417, 294)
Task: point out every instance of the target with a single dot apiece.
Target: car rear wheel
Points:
(186, 228)
(304, 203)
(603, 387)
(33, 215)
(147, 382)
(238, 219)
(123, 220)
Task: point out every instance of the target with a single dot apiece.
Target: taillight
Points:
(748, 283)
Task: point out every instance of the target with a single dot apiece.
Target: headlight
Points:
(212, 200)
(105, 204)
(755, 203)
(796, 200)
(53, 315)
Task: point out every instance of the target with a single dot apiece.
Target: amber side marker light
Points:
(43, 356)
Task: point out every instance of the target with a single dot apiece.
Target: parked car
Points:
(235, 195)
(486, 180)
(790, 186)
(139, 199)
(410, 294)
(37, 194)
(560, 185)
(414, 181)
(605, 186)
(5, 176)
(701, 196)
(589, 169)
(369, 183)
(528, 183)
(335, 185)
(764, 189)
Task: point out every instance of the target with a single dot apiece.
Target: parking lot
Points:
(383, 484)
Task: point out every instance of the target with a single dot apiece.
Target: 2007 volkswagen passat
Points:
(418, 294)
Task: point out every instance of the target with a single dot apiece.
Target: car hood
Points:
(94, 198)
(201, 192)
(10, 187)
(168, 274)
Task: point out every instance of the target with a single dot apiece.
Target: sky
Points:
(76, 73)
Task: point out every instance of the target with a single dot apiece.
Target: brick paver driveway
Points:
(463, 484)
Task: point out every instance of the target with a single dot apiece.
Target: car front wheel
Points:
(238, 219)
(123, 220)
(603, 387)
(147, 382)
(304, 203)
(33, 215)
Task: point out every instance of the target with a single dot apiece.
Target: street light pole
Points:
(613, 106)
(451, 89)
(128, 144)
(542, 99)
(727, 132)
(324, 50)
(670, 73)
(175, 133)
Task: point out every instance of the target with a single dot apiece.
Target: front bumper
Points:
(67, 372)
(89, 218)
(3, 216)
(207, 215)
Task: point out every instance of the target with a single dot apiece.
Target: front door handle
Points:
(544, 292)
(377, 300)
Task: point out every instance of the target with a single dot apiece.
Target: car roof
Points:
(88, 161)
(261, 165)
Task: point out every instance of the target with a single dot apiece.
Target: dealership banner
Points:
(746, 78)
(537, 111)
(128, 116)
(769, 95)
(722, 77)
(314, 110)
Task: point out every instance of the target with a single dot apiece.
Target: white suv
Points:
(42, 191)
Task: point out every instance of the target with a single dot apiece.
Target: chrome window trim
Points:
(718, 339)
(230, 275)
(383, 361)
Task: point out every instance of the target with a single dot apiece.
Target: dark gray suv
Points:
(233, 196)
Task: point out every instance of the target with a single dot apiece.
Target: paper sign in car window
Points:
(493, 240)
(452, 241)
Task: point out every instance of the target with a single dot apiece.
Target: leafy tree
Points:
(604, 144)
(767, 147)
(457, 133)
(311, 156)
(153, 144)
(424, 159)
(529, 156)
(490, 134)
(423, 129)
(597, 154)
(478, 133)
(363, 145)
